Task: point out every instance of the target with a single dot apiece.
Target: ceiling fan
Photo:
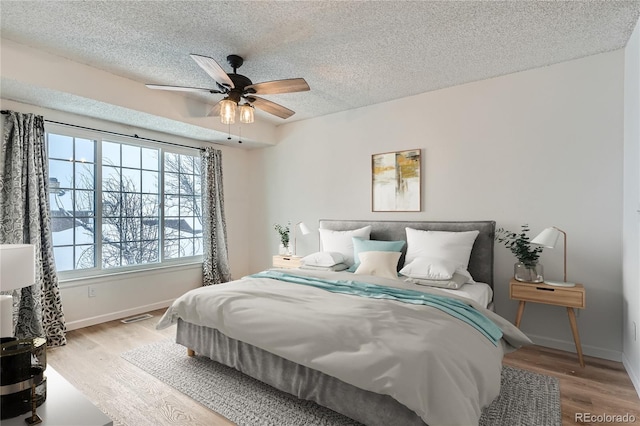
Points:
(237, 87)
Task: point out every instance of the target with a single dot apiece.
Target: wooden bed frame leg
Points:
(191, 352)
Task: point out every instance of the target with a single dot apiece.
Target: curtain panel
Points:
(215, 258)
(25, 219)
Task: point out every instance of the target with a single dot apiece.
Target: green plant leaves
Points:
(284, 233)
(520, 245)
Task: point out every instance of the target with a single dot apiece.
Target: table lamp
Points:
(549, 238)
(17, 270)
(303, 229)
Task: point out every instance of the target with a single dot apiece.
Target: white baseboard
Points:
(86, 322)
(564, 345)
(633, 375)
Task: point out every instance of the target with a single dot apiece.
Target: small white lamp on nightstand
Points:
(549, 238)
(17, 270)
(303, 229)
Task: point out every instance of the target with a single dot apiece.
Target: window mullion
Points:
(161, 196)
(98, 196)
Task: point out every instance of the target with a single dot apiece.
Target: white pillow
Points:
(341, 241)
(379, 263)
(452, 246)
(323, 258)
(429, 268)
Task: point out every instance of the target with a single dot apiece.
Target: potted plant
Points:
(283, 231)
(528, 269)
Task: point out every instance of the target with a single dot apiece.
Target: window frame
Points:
(99, 137)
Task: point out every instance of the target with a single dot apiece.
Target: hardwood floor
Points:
(601, 387)
(91, 362)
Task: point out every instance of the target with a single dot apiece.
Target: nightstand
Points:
(568, 297)
(280, 261)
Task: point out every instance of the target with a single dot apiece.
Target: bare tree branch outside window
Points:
(130, 214)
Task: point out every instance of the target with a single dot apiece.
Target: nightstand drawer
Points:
(286, 261)
(542, 293)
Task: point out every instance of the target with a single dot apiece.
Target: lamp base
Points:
(6, 316)
(560, 283)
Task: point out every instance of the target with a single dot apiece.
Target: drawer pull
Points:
(545, 289)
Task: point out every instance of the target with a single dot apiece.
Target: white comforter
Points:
(436, 365)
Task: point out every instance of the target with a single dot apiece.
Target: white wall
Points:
(122, 295)
(631, 211)
(542, 147)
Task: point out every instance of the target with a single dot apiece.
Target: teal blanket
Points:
(453, 307)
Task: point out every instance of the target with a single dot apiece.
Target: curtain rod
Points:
(135, 136)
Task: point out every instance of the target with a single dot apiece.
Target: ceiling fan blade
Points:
(212, 68)
(214, 111)
(275, 87)
(181, 88)
(270, 107)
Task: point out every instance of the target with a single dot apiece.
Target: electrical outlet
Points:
(92, 291)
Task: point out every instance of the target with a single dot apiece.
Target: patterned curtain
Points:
(25, 219)
(215, 265)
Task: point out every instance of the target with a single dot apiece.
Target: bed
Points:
(379, 359)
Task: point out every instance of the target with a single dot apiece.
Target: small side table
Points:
(569, 297)
(65, 405)
(280, 261)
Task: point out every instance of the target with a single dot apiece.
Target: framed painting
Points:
(395, 183)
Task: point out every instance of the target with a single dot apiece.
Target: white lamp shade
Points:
(17, 266)
(246, 113)
(227, 111)
(547, 238)
(304, 229)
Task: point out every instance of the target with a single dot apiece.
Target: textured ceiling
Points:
(351, 53)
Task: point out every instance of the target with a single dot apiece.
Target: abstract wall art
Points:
(395, 185)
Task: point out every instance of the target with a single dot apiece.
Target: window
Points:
(105, 199)
(182, 204)
(130, 208)
(72, 171)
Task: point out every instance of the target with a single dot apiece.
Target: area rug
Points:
(525, 398)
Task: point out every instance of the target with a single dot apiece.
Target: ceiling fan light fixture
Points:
(236, 87)
(246, 113)
(227, 111)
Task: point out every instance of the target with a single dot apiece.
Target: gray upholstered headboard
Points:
(480, 263)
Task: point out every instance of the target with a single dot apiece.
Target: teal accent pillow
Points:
(360, 245)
